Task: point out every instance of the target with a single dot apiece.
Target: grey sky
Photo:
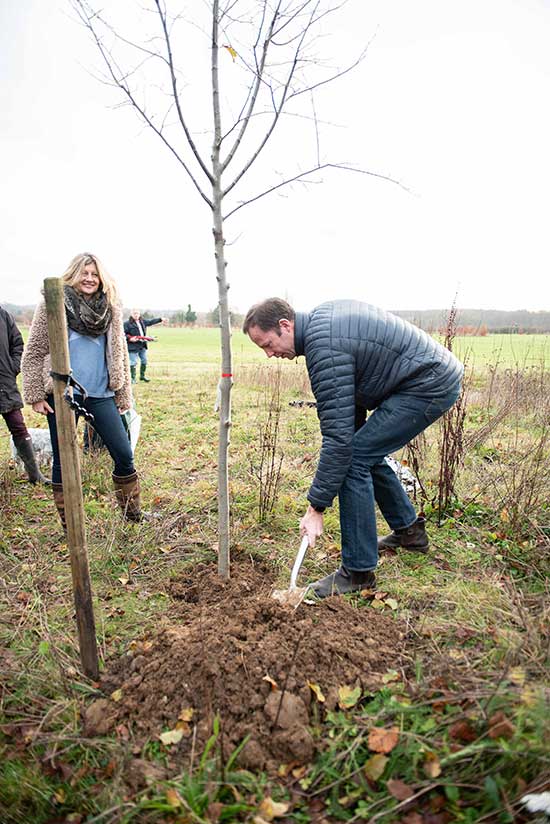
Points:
(452, 100)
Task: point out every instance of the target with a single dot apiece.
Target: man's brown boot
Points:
(412, 537)
(59, 502)
(127, 490)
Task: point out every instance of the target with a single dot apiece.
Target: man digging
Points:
(361, 358)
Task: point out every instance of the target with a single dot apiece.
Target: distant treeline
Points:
(480, 321)
(468, 321)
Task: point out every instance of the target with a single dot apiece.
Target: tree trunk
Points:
(226, 378)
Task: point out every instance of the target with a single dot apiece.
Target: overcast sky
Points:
(452, 100)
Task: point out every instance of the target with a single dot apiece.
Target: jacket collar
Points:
(301, 321)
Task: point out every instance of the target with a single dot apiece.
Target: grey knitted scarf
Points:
(87, 315)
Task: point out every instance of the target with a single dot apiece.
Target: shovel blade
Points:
(290, 597)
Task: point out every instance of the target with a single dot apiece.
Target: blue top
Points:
(89, 364)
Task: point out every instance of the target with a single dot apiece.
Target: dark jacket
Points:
(356, 356)
(11, 349)
(131, 328)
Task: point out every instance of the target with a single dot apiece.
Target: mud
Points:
(230, 650)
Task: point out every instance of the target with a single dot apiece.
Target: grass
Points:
(477, 608)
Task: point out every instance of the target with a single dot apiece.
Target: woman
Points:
(99, 361)
(11, 349)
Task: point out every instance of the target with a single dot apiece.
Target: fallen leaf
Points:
(171, 737)
(123, 580)
(383, 740)
(391, 603)
(375, 766)
(270, 809)
(462, 731)
(173, 798)
(348, 697)
(399, 790)
(431, 765)
(500, 726)
(517, 676)
(270, 680)
(390, 675)
(186, 714)
(316, 690)
(116, 695)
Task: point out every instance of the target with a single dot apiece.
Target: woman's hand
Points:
(42, 407)
(123, 411)
(312, 525)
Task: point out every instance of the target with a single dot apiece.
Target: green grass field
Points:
(471, 706)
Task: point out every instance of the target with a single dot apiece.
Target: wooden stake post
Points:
(72, 485)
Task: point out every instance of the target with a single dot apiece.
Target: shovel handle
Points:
(298, 562)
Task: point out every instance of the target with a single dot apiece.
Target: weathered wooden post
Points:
(72, 485)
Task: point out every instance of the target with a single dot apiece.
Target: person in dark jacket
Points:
(11, 403)
(361, 358)
(135, 329)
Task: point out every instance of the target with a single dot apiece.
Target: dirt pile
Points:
(229, 649)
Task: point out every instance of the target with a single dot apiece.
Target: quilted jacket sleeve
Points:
(332, 376)
(15, 344)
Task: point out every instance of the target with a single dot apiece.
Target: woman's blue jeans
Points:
(108, 424)
(140, 355)
(390, 427)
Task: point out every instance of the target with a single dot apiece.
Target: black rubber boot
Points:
(26, 453)
(133, 373)
(412, 537)
(142, 377)
(343, 581)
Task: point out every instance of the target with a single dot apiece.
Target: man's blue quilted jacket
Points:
(357, 355)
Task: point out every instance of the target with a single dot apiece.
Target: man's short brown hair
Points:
(267, 314)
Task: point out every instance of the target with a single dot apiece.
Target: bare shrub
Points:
(451, 444)
(265, 466)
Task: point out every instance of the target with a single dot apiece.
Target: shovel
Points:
(293, 596)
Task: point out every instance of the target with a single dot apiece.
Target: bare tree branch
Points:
(170, 61)
(86, 16)
(342, 166)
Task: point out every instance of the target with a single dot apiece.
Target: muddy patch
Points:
(228, 650)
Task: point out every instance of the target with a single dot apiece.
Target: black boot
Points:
(133, 373)
(142, 377)
(412, 537)
(343, 581)
(26, 453)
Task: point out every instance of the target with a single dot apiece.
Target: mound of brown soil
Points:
(230, 650)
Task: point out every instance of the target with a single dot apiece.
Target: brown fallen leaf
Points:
(383, 740)
(173, 798)
(348, 697)
(462, 731)
(269, 809)
(375, 766)
(500, 726)
(399, 790)
(431, 765)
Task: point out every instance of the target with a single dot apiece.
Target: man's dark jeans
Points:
(391, 426)
(108, 424)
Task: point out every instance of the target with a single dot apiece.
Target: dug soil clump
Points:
(268, 672)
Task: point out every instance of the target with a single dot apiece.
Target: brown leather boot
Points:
(412, 537)
(59, 501)
(127, 490)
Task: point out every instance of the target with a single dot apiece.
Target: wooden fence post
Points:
(72, 485)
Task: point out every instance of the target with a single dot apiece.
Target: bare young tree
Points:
(153, 55)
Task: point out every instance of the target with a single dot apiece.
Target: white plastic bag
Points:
(132, 421)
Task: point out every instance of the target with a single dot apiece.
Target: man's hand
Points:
(42, 407)
(312, 525)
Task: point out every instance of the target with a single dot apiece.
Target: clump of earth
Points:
(228, 650)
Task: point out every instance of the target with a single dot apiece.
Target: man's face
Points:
(276, 343)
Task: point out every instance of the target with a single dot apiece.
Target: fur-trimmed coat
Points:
(36, 364)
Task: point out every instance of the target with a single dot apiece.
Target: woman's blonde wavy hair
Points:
(73, 274)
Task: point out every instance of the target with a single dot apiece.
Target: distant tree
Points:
(190, 316)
